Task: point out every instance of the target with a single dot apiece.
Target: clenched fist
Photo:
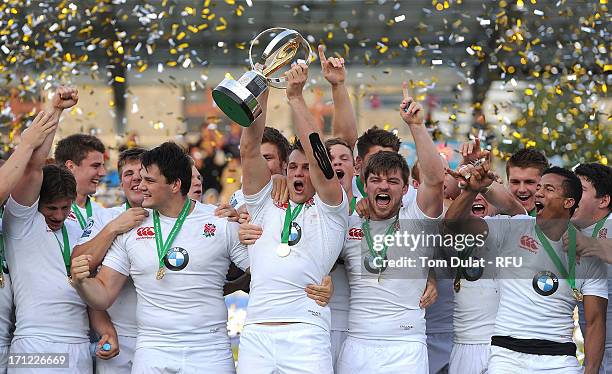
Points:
(65, 97)
(79, 269)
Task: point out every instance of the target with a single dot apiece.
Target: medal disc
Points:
(283, 250)
(160, 274)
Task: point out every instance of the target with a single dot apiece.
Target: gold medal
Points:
(577, 294)
(1, 279)
(160, 273)
(283, 250)
(457, 284)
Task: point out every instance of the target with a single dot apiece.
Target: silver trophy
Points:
(238, 99)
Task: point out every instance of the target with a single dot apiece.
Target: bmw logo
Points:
(176, 259)
(295, 234)
(545, 283)
(472, 274)
(370, 265)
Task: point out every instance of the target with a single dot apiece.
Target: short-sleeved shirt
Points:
(387, 309)
(536, 302)
(277, 283)
(47, 307)
(186, 307)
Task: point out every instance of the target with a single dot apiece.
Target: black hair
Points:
(572, 188)
(600, 177)
(173, 164)
(58, 183)
(76, 147)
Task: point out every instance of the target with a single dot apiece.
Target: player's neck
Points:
(134, 204)
(597, 215)
(81, 200)
(172, 208)
(553, 228)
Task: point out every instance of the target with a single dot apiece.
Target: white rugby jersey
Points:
(7, 312)
(47, 307)
(277, 283)
(535, 302)
(123, 311)
(604, 233)
(186, 307)
(387, 309)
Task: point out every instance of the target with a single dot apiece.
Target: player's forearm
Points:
(594, 345)
(344, 123)
(500, 198)
(97, 246)
(93, 292)
(329, 190)
(100, 321)
(12, 171)
(255, 172)
(428, 156)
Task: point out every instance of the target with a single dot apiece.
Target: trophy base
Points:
(238, 99)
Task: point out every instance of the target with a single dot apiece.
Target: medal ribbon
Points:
(360, 187)
(162, 248)
(462, 256)
(352, 206)
(571, 255)
(79, 215)
(598, 226)
(127, 205)
(365, 226)
(1, 247)
(533, 212)
(65, 248)
(289, 217)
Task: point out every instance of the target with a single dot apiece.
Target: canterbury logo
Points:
(355, 234)
(145, 233)
(529, 243)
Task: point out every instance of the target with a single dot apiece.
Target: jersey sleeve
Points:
(256, 203)
(595, 279)
(410, 210)
(336, 217)
(117, 257)
(18, 219)
(237, 251)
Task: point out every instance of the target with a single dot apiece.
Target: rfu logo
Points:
(145, 233)
(529, 243)
(355, 234)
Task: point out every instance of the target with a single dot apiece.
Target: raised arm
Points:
(31, 180)
(344, 123)
(496, 194)
(329, 190)
(430, 195)
(595, 336)
(255, 172)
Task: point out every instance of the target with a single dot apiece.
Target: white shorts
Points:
(362, 356)
(439, 346)
(337, 339)
(193, 360)
(79, 358)
(505, 361)
(4, 352)
(469, 358)
(297, 348)
(122, 363)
